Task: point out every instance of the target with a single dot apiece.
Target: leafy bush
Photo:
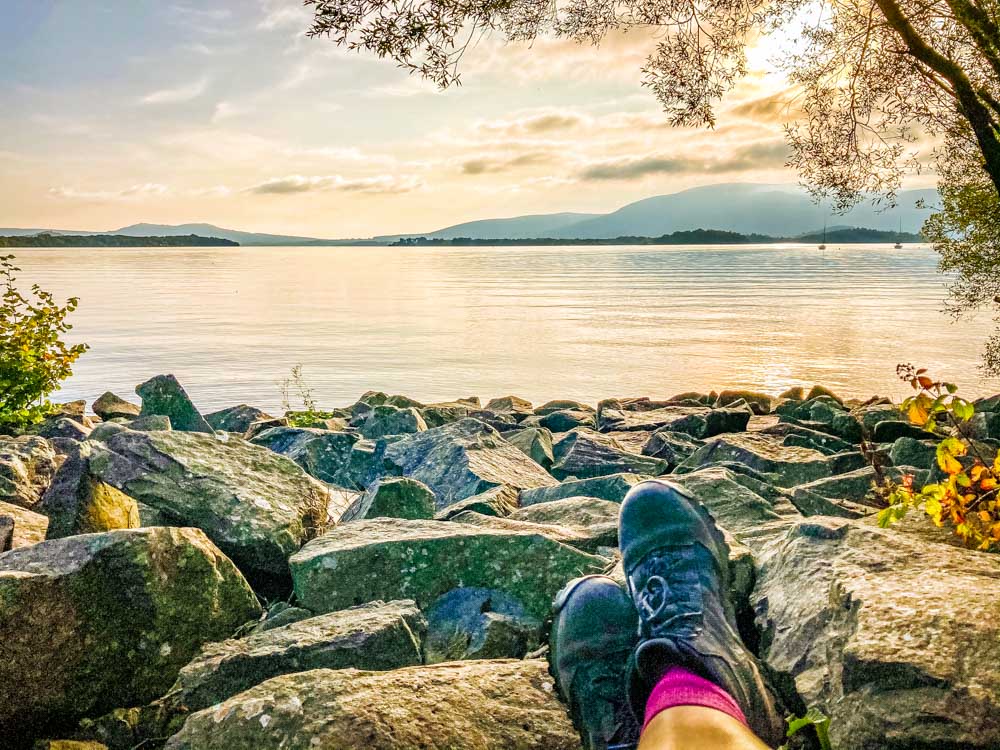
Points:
(814, 718)
(967, 498)
(33, 356)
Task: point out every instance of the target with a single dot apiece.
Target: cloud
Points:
(284, 16)
(292, 184)
(180, 94)
(778, 107)
(756, 156)
(492, 166)
(134, 192)
(544, 122)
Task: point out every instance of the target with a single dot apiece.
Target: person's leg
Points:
(697, 728)
(690, 676)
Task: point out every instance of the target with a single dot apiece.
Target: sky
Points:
(223, 111)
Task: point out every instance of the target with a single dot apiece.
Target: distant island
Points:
(112, 240)
(686, 237)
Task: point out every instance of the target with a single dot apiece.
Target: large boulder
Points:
(259, 507)
(236, 418)
(374, 636)
(896, 639)
(476, 705)
(584, 453)
(463, 459)
(699, 422)
(27, 465)
(164, 396)
(568, 419)
(108, 406)
(849, 495)
(783, 465)
(20, 527)
(595, 539)
(612, 487)
(500, 501)
(392, 497)
(387, 558)
(97, 621)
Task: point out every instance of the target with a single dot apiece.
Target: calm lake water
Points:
(542, 322)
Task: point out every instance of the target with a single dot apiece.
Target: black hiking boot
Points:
(594, 630)
(677, 568)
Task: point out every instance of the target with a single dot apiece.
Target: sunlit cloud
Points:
(293, 184)
(134, 192)
(492, 166)
(179, 94)
(747, 158)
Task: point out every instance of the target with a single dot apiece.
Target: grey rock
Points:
(534, 442)
(20, 527)
(324, 454)
(567, 419)
(476, 623)
(109, 406)
(584, 453)
(151, 423)
(550, 407)
(907, 451)
(463, 459)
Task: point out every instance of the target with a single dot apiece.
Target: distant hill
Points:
(775, 210)
(45, 239)
(856, 234)
(519, 227)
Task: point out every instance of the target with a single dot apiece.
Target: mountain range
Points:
(776, 210)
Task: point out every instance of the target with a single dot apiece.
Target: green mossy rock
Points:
(594, 539)
(897, 640)
(568, 419)
(375, 636)
(97, 621)
(476, 705)
(385, 559)
(324, 454)
(393, 497)
(550, 407)
(463, 459)
(509, 405)
(612, 487)
(164, 396)
(760, 403)
(471, 623)
(257, 506)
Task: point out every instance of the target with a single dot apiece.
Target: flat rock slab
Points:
(699, 422)
(480, 705)
(375, 636)
(92, 622)
(783, 465)
(463, 459)
(392, 497)
(259, 507)
(612, 487)
(384, 559)
(896, 639)
(27, 465)
(236, 418)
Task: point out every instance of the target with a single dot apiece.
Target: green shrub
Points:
(33, 356)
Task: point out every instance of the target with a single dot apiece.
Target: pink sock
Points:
(679, 687)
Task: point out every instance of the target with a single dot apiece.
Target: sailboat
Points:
(899, 234)
(823, 245)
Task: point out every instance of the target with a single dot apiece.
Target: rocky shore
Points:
(380, 577)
